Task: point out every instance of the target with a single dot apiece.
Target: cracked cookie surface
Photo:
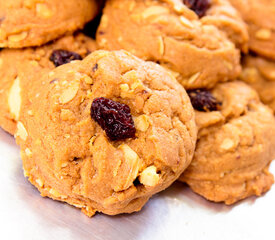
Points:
(26, 23)
(260, 18)
(200, 51)
(69, 157)
(21, 71)
(235, 146)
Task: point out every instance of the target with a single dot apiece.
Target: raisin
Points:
(203, 100)
(198, 6)
(114, 118)
(60, 57)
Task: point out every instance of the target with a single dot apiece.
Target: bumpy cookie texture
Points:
(25, 23)
(199, 51)
(21, 71)
(68, 156)
(260, 18)
(235, 146)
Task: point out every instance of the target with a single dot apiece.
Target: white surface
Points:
(176, 213)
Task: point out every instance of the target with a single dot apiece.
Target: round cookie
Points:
(21, 71)
(260, 18)
(198, 49)
(25, 23)
(235, 144)
(106, 133)
(259, 73)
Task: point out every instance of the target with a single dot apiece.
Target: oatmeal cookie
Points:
(235, 144)
(260, 18)
(259, 73)
(106, 133)
(25, 23)
(21, 71)
(196, 42)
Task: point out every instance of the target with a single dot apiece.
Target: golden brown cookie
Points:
(106, 133)
(25, 23)
(235, 144)
(259, 73)
(260, 18)
(21, 71)
(197, 46)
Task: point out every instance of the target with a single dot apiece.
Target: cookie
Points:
(235, 144)
(25, 23)
(21, 71)
(260, 18)
(259, 73)
(106, 133)
(197, 46)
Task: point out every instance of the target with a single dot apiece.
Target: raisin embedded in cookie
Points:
(197, 40)
(33, 23)
(235, 145)
(260, 18)
(106, 133)
(21, 71)
(259, 73)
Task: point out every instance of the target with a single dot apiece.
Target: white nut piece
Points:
(142, 123)
(69, 93)
(263, 34)
(43, 11)
(14, 99)
(21, 131)
(149, 176)
(18, 37)
(154, 11)
(133, 161)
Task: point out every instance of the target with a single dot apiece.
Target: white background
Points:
(176, 213)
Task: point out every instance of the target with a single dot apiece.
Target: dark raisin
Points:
(203, 100)
(114, 118)
(95, 67)
(60, 57)
(198, 6)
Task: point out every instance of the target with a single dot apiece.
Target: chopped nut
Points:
(69, 93)
(43, 10)
(227, 144)
(149, 176)
(142, 123)
(154, 11)
(39, 182)
(134, 163)
(124, 87)
(186, 22)
(193, 78)
(14, 99)
(63, 165)
(18, 37)
(21, 131)
(161, 45)
(263, 34)
(30, 112)
(88, 80)
(130, 76)
(28, 152)
(55, 193)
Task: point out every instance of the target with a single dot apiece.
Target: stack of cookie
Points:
(157, 97)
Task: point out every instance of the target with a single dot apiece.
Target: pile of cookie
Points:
(167, 90)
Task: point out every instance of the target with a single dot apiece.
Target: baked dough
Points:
(235, 146)
(25, 23)
(199, 51)
(21, 71)
(69, 157)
